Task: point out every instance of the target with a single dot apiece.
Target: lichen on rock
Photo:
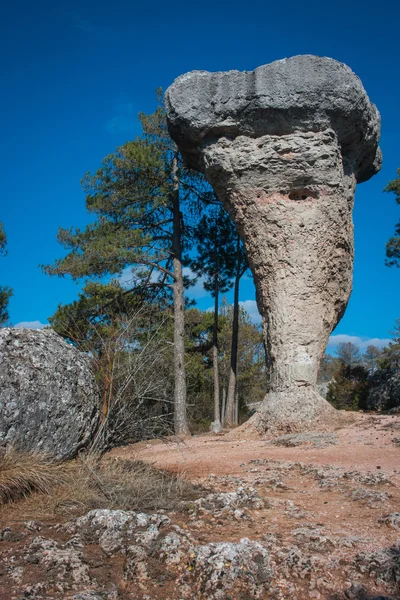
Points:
(48, 395)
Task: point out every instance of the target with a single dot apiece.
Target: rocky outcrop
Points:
(48, 396)
(284, 147)
(213, 569)
(221, 567)
(263, 528)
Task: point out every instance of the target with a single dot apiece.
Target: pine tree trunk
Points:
(216, 425)
(223, 406)
(180, 419)
(230, 401)
(236, 407)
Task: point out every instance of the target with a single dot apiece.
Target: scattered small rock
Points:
(371, 497)
(382, 565)
(217, 568)
(315, 439)
(392, 520)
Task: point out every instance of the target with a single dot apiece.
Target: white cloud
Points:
(197, 290)
(126, 277)
(30, 325)
(123, 120)
(129, 277)
(361, 342)
(250, 306)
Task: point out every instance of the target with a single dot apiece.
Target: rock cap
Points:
(302, 93)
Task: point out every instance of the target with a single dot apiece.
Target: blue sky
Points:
(75, 74)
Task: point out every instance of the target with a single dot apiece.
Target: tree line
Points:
(369, 380)
(159, 225)
(153, 217)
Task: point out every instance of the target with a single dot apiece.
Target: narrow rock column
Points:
(283, 147)
(296, 223)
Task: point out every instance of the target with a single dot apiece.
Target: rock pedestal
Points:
(284, 147)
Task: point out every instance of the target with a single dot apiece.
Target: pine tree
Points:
(137, 197)
(251, 374)
(230, 414)
(5, 291)
(393, 245)
(215, 261)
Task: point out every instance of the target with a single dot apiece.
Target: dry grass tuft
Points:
(136, 485)
(33, 487)
(24, 473)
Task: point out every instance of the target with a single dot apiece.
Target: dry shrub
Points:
(87, 483)
(23, 473)
(136, 485)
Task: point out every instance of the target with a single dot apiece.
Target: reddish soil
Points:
(364, 446)
(326, 505)
(370, 446)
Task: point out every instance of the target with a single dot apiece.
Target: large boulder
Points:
(48, 394)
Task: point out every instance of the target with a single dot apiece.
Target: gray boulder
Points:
(48, 395)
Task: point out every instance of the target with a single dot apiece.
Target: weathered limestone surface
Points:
(48, 395)
(284, 146)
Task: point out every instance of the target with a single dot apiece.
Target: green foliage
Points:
(198, 344)
(385, 379)
(3, 239)
(393, 245)
(385, 388)
(349, 389)
(5, 292)
(5, 295)
(86, 322)
(349, 354)
(371, 358)
(216, 263)
(129, 196)
(132, 198)
(216, 250)
(251, 372)
(129, 340)
(349, 375)
(363, 381)
(251, 362)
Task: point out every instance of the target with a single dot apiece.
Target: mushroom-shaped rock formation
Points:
(283, 147)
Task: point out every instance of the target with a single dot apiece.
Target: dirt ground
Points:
(369, 447)
(331, 501)
(365, 445)
(299, 517)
